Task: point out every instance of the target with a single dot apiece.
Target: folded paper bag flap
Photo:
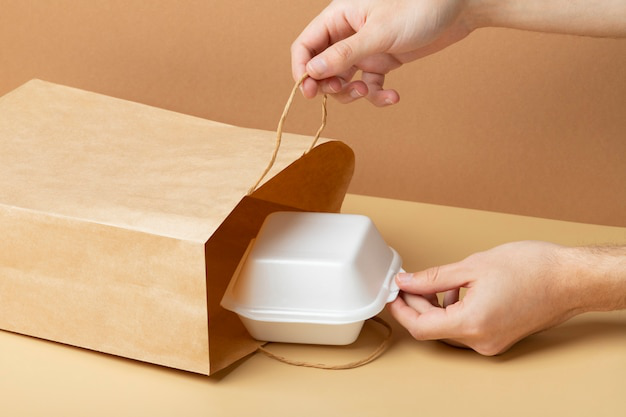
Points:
(316, 182)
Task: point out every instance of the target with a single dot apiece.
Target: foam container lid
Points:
(323, 268)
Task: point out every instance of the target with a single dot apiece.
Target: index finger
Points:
(313, 39)
(435, 279)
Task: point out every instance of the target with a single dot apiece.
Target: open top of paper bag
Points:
(122, 163)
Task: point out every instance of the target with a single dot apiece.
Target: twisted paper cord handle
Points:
(375, 354)
(279, 130)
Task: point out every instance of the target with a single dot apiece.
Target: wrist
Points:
(594, 278)
(481, 13)
(514, 14)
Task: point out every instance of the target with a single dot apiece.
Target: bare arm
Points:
(602, 18)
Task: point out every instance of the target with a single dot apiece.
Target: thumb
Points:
(341, 56)
(432, 280)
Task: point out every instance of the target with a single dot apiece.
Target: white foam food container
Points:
(313, 278)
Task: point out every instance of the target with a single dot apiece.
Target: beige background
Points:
(506, 121)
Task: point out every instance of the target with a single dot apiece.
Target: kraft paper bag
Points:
(122, 223)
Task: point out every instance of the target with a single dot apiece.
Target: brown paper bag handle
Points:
(279, 130)
(375, 354)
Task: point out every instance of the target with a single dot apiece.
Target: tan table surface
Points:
(576, 369)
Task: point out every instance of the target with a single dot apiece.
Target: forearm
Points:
(595, 277)
(602, 18)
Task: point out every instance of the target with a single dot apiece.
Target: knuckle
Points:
(432, 274)
(298, 48)
(416, 333)
(344, 51)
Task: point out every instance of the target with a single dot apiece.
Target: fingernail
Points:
(317, 66)
(404, 277)
(388, 102)
(334, 86)
(355, 93)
